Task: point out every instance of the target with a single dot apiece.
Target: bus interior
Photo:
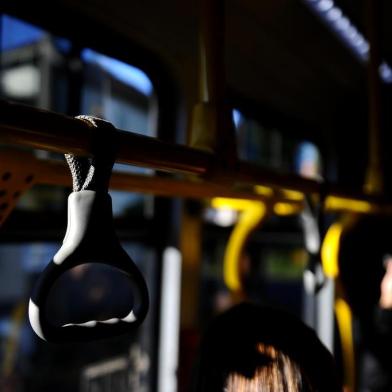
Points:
(252, 165)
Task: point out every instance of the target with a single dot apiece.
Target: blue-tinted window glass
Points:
(16, 33)
(123, 72)
(275, 148)
(308, 160)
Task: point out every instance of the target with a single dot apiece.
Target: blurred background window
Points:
(274, 148)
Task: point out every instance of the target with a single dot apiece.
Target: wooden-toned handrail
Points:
(55, 172)
(34, 128)
(41, 129)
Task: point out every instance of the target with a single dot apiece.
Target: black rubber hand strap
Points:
(90, 238)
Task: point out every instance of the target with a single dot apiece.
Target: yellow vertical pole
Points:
(330, 260)
(211, 125)
(374, 181)
(209, 130)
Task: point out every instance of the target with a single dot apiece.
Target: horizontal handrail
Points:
(57, 173)
(35, 128)
(41, 129)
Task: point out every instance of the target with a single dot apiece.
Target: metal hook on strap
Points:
(90, 237)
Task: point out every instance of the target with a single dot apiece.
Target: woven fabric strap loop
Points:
(94, 173)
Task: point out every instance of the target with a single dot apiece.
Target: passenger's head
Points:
(256, 349)
(361, 270)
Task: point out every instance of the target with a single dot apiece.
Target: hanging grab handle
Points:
(90, 237)
(312, 226)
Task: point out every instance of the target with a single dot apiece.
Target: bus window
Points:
(117, 92)
(308, 160)
(271, 146)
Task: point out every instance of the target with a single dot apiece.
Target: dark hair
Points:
(263, 349)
